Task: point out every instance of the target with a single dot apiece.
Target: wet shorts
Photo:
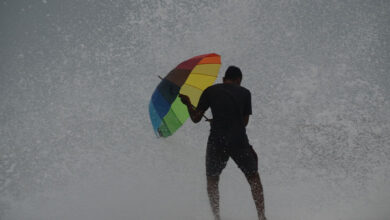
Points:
(218, 154)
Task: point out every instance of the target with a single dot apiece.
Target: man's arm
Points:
(247, 108)
(195, 114)
(246, 120)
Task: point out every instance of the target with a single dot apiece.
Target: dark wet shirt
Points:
(229, 104)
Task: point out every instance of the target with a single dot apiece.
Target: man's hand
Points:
(194, 113)
(185, 100)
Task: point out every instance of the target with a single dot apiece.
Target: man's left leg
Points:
(216, 159)
(213, 193)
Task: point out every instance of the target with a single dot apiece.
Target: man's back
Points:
(229, 104)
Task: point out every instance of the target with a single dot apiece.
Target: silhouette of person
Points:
(231, 106)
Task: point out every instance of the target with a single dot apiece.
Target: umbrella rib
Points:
(193, 87)
(166, 125)
(173, 111)
(208, 64)
(203, 74)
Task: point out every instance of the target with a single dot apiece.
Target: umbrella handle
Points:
(207, 119)
(204, 116)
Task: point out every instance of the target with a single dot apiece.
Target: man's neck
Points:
(231, 82)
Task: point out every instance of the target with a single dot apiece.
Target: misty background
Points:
(76, 78)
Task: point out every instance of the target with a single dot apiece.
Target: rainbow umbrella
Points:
(190, 78)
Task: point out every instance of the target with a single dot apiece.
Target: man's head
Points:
(233, 75)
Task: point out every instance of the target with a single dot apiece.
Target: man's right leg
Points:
(246, 159)
(257, 193)
(213, 193)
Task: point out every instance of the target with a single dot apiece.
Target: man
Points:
(230, 106)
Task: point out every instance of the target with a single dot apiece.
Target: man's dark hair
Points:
(233, 73)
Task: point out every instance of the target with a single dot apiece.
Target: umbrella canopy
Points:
(190, 78)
